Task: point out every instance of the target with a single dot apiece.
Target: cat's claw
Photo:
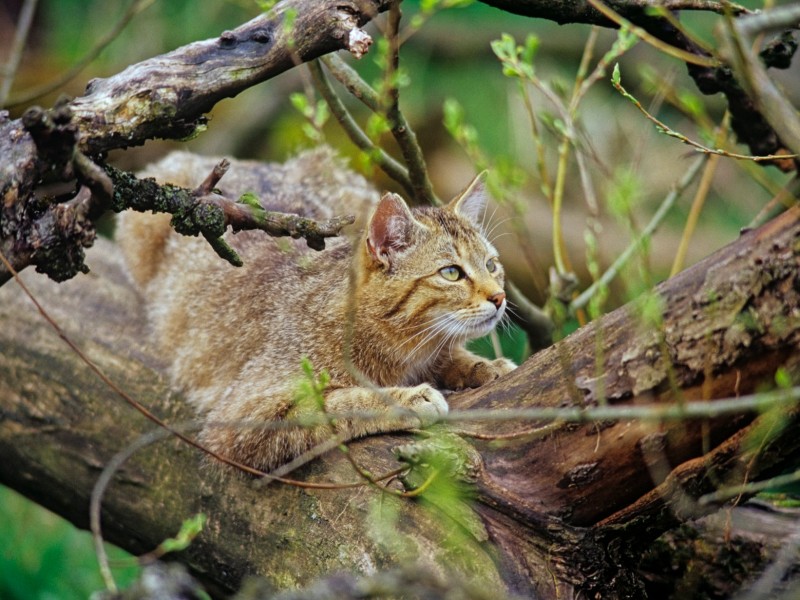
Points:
(427, 403)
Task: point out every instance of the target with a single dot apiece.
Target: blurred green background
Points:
(43, 557)
(449, 57)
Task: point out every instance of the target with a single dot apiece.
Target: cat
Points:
(386, 314)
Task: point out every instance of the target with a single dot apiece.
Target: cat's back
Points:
(205, 311)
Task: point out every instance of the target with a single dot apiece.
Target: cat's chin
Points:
(484, 326)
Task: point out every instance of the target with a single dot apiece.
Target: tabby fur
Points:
(386, 314)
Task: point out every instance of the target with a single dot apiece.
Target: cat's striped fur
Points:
(386, 314)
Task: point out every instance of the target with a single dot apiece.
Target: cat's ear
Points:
(471, 202)
(390, 228)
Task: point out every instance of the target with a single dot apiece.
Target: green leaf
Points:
(615, 76)
(250, 199)
(531, 46)
(300, 102)
(189, 530)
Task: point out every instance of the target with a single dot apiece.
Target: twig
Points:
(9, 71)
(538, 325)
(210, 182)
(202, 211)
(680, 54)
(699, 200)
(787, 196)
(652, 412)
(401, 130)
(351, 80)
(386, 163)
(606, 278)
(750, 488)
(665, 129)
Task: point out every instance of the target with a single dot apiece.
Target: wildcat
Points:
(397, 304)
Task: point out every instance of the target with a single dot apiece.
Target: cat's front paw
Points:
(482, 372)
(427, 403)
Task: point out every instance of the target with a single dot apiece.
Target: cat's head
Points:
(434, 274)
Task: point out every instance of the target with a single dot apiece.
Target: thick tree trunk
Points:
(564, 509)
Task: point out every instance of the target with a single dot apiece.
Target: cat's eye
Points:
(452, 273)
(491, 265)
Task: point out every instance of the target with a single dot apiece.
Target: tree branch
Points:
(582, 11)
(204, 211)
(162, 97)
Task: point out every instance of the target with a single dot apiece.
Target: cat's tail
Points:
(143, 237)
(143, 240)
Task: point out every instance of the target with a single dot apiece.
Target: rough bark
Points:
(565, 510)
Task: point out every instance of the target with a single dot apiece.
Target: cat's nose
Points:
(497, 299)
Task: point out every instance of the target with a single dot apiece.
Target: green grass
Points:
(513, 343)
(44, 557)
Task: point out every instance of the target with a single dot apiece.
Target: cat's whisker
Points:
(427, 326)
(451, 337)
(489, 233)
(432, 332)
(423, 324)
(497, 237)
(510, 312)
(457, 337)
(505, 324)
(484, 220)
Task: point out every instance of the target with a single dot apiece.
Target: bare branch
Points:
(582, 11)
(401, 130)
(202, 211)
(163, 96)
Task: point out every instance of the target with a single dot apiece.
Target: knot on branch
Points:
(52, 234)
(779, 52)
(54, 134)
(57, 238)
(194, 218)
(56, 137)
(355, 40)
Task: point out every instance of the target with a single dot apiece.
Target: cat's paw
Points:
(427, 403)
(483, 372)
